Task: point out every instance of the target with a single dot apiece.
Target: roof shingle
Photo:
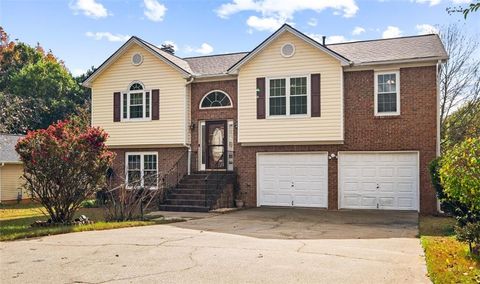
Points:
(7, 148)
(214, 64)
(394, 49)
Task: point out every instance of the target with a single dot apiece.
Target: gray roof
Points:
(214, 64)
(7, 148)
(394, 49)
(423, 47)
(170, 57)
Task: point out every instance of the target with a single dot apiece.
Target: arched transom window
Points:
(136, 103)
(216, 99)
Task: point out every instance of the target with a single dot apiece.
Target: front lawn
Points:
(15, 221)
(448, 260)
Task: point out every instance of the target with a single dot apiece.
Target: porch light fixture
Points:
(332, 156)
(192, 126)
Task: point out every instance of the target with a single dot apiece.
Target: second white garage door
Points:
(292, 179)
(373, 180)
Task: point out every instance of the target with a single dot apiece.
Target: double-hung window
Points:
(288, 96)
(142, 169)
(387, 93)
(136, 103)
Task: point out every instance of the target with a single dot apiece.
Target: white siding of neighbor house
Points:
(154, 74)
(11, 181)
(306, 60)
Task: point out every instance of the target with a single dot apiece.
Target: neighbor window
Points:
(141, 170)
(136, 103)
(288, 96)
(387, 93)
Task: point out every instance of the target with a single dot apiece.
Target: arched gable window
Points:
(216, 99)
(136, 102)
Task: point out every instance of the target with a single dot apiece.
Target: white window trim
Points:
(220, 107)
(142, 166)
(397, 89)
(144, 102)
(287, 96)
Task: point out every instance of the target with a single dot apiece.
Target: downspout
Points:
(439, 62)
(1, 166)
(189, 146)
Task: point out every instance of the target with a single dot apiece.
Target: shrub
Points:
(64, 165)
(460, 178)
(470, 233)
(460, 173)
(89, 203)
(448, 205)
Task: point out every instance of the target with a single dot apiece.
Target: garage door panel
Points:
(300, 178)
(371, 179)
(386, 172)
(406, 187)
(406, 172)
(368, 172)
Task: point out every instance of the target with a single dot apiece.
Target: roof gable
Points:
(287, 28)
(175, 62)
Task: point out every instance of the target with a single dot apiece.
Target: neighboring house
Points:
(11, 169)
(349, 125)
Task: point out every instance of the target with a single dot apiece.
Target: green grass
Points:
(15, 221)
(448, 260)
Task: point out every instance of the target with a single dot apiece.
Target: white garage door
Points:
(378, 180)
(292, 179)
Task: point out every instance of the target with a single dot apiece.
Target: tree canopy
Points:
(36, 83)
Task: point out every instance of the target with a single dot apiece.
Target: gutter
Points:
(438, 152)
(189, 159)
(1, 166)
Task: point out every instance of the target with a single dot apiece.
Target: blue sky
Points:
(84, 33)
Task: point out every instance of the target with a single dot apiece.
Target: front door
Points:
(216, 144)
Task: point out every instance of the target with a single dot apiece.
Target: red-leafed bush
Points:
(63, 165)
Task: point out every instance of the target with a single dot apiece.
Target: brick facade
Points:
(414, 130)
(167, 157)
(198, 91)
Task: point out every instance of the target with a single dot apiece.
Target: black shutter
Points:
(315, 95)
(156, 104)
(116, 107)
(260, 98)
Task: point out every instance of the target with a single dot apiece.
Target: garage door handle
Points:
(378, 186)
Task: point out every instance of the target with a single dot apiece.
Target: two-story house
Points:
(301, 123)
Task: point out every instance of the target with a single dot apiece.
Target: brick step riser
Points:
(186, 202)
(183, 208)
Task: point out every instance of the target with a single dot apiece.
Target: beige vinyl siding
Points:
(10, 181)
(306, 60)
(154, 74)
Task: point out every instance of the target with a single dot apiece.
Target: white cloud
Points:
(89, 8)
(204, 49)
(335, 39)
(430, 2)
(461, 1)
(329, 39)
(264, 24)
(426, 29)
(312, 22)
(175, 46)
(154, 10)
(358, 30)
(273, 12)
(108, 36)
(391, 31)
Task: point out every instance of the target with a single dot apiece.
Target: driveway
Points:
(253, 246)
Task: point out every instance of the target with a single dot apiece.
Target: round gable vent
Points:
(137, 59)
(287, 50)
